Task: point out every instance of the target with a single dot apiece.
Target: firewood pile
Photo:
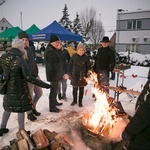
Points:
(40, 140)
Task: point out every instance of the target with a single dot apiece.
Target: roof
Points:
(33, 29)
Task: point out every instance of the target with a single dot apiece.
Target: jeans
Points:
(62, 87)
(35, 93)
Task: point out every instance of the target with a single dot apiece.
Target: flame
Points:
(102, 119)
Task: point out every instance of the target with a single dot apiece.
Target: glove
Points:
(48, 86)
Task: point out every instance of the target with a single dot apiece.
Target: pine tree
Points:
(77, 27)
(64, 21)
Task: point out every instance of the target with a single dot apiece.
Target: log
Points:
(27, 137)
(124, 90)
(40, 139)
(23, 145)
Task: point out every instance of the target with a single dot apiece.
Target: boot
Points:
(35, 112)
(74, 96)
(3, 130)
(31, 117)
(81, 92)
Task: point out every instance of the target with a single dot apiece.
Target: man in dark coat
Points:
(54, 70)
(104, 63)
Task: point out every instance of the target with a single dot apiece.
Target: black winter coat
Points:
(105, 60)
(17, 98)
(139, 126)
(53, 64)
(78, 68)
(31, 62)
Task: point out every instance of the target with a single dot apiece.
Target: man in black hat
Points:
(105, 61)
(54, 70)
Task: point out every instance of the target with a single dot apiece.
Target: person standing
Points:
(105, 62)
(17, 99)
(63, 83)
(71, 49)
(54, 70)
(35, 91)
(78, 68)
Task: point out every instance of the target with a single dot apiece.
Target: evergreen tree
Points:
(77, 27)
(64, 21)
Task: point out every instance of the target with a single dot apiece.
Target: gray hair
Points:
(19, 44)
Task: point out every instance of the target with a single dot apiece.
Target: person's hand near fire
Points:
(116, 132)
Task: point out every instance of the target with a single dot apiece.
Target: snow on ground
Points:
(53, 121)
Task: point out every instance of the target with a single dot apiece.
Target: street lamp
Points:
(118, 26)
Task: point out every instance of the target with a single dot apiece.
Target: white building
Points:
(133, 31)
(4, 24)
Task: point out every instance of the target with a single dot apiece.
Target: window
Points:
(134, 24)
(133, 48)
(2, 28)
(6, 27)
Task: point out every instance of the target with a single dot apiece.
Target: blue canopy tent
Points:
(57, 29)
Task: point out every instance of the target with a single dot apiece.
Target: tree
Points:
(77, 27)
(93, 27)
(64, 21)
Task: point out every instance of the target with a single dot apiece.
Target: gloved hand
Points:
(48, 86)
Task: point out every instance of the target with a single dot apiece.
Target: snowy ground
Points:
(53, 121)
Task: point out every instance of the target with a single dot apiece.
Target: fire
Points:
(103, 117)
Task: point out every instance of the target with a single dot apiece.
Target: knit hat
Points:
(23, 34)
(80, 45)
(54, 38)
(105, 39)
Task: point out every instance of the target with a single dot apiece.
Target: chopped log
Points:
(23, 145)
(6, 148)
(14, 144)
(124, 90)
(50, 135)
(19, 136)
(40, 139)
(27, 137)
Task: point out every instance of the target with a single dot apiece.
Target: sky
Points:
(62, 122)
(44, 12)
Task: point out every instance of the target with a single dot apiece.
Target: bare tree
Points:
(93, 27)
(97, 32)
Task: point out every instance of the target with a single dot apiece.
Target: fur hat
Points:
(80, 45)
(23, 34)
(105, 39)
(54, 38)
(17, 43)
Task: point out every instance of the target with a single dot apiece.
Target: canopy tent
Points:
(33, 29)
(9, 34)
(57, 29)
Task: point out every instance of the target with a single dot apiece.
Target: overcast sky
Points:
(44, 12)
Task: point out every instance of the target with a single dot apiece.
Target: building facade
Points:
(133, 31)
(4, 24)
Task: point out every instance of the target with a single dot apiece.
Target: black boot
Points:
(81, 92)
(31, 117)
(75, 89)
(3, 130)
(35, 112)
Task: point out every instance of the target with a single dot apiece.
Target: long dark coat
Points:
(105, 60)
(17, 98)
(139, 126)
(53, 64)
(78, 68)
